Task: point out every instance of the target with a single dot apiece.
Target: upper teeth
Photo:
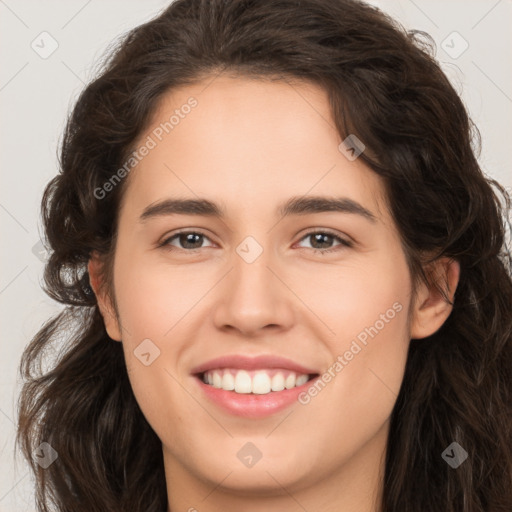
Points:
(259, 382)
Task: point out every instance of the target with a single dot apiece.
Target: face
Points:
(259, 288)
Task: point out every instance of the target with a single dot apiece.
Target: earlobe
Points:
(104, 304)
(431, 309)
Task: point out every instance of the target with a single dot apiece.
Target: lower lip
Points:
(249, 405)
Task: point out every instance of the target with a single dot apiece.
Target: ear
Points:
(431, 309)
(107, 310)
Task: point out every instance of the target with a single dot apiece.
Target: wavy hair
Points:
(385, 86)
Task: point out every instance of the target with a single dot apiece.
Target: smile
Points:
(252, 387)
(259, 382)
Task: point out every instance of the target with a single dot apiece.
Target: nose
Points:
(253, 298)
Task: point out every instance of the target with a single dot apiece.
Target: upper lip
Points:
(242, 362)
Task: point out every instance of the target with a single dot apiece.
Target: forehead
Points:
(247, 142)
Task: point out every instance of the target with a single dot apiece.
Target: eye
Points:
(188, 240)
(321, 241)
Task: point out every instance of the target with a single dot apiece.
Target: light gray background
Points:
(36, 95)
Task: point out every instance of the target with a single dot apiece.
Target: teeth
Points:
(217, 380)
(301, 379)
(228, 381)
(259, 382)
(278, 382)
(242, 382)
(289, 382)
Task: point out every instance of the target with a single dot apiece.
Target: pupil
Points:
(189, 238)
(319, 236)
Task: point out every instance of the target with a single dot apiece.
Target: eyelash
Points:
(345, 243)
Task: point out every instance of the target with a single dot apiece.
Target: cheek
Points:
(360, 387)
(349, 297)
(365, 307)
(153, 297)
(373, 328)
(153, 302)
(165, 403)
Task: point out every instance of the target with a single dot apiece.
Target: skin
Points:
(249, 145)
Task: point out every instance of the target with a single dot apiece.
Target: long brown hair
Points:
(384, 86)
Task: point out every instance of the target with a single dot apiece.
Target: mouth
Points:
(256, 382)
(252, 386)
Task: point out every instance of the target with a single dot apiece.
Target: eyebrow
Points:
(300, 205)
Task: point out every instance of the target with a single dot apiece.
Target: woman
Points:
(338, 334)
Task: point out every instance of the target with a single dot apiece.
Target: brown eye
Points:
(187, 240)
(322, 241)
